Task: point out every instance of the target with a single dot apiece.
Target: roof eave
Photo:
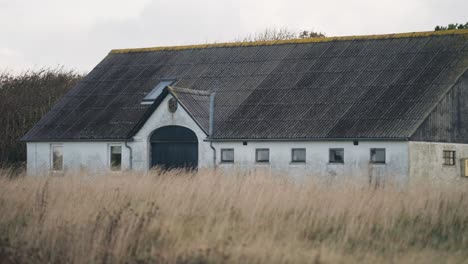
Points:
(303, 139)
(76, 140)
(153, 108)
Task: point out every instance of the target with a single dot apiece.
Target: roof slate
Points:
(349, 87)
(196, 103)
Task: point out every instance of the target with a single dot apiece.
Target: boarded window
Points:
(156, 91)
(336, 155)
(262, 155)
(116, 158)
(377, 155)
(449, 157)
(227, 155)
(298, 155)
(57, 158)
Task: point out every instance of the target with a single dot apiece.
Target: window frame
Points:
(450, 158)
(262, 161)
(227, 161)
(378, 162)
(330, 150)
(156, 88)
(298, 161)
(110, 157)
(52, 147)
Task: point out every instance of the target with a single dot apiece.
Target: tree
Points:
(452, 26)
(311, 34)
(24, 99)
(273, 34)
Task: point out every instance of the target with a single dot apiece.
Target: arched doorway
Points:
(174, 147)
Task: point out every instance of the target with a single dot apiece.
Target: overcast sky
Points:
(77, 34)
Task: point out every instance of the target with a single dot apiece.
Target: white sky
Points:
(77, 34)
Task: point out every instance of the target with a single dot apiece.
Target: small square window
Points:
(262, 155)
(298, 155)
(336, 155)
(449, 157)
(115, 158)
(227, 155)
(57, 158)
(377, 155)
(151, 96)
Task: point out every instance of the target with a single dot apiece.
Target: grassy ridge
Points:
(208, 217)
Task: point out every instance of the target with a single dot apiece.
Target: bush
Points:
(24, 99)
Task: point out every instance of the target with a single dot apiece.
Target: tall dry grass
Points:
(208, 217)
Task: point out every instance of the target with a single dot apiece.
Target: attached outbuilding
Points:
(384, 106)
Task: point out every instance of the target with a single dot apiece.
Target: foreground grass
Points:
(207, 217)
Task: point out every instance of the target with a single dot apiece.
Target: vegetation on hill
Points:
(281, 34)
(208, 217)
(452, 26)
(24, 99)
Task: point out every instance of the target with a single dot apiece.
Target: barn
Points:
(382, 106)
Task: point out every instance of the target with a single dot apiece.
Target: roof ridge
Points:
(297, 41)
(188, 90)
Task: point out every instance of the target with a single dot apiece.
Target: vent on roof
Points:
(149, 99)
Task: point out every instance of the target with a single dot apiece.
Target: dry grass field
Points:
(208, 217)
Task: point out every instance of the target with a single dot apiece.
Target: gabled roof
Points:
(196, 103)
(346, 87)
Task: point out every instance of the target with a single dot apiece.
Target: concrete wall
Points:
(426, 161)
(91, 156)
(356, 159)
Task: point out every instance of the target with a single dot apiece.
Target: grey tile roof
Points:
(349, 87)
(196, 103)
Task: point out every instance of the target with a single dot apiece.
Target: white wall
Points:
(91, 156)
(162, 117)
(38, 158)
(426, 161)
(356, 159)
(95, 155)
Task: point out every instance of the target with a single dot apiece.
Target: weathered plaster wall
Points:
(91, 156)
(162, 117)
(356, 159)
(426, 161)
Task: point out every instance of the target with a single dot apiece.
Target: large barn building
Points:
(382, 106)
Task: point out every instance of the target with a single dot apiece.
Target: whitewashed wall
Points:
(356, 159)
(94, 156)
(426, 161)
(91, 156)
(162, 117)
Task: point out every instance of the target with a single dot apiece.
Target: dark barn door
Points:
(174, 147)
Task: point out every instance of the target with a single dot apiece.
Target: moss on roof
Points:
(363, 89)
(292, 41)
